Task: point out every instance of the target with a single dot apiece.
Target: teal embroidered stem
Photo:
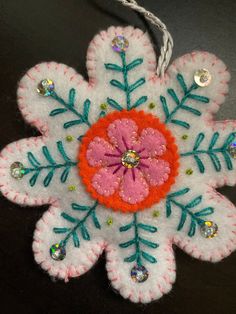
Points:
(79, 224)
(199, 221)
(181, 103)
(186, 210)
(137, 241)
(70, 107)
(197, 152)
(125, 76)
(51, 165)
(125, 86)
(137, 246)
(212, 152)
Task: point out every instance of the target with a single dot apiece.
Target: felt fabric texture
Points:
(68, 207)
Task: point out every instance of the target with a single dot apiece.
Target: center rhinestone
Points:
(130, 159)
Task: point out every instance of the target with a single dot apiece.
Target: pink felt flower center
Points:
(128, 163)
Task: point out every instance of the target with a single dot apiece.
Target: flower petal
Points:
(156, 171)
(97, 150)
(106, 181)
(152, 143)
(122, 259)
(123, 133)
(78, 260)
(134, 187)
(213, 207)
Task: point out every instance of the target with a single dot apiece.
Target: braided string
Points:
(166, 49)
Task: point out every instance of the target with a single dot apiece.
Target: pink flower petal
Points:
(123, 133)
(155, 171)
(106, 182)
(133, 191)
(99, 153)
(152, 143)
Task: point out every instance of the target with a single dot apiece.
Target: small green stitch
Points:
(189, 171)
(184, 137)
(181, 103)
(71, 188)
(211, 152)
(79, 224)
(103, 106)
(152, 105)
(52, 166)
(125, 86)
(109, 221)
(186, 211)
(138, 242)
(156, 214)
(70, 138)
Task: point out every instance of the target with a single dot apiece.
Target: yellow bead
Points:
(71, 188)
(109, 221)
(103, 106)
(151, 105)
(189, 171)
(70, 138)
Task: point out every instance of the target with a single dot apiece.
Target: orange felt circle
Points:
(143, 120)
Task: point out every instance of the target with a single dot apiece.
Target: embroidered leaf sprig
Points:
(79, 224)
(125, 86)
(212, 151)
(186, 210)
(139, 242)
(70, 107)
(50, 167)
(182, 103)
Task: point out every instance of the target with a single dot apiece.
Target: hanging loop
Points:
(167, 47)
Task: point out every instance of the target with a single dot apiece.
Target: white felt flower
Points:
(128, 162)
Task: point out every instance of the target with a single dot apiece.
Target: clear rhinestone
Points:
(17, 170)
(120, 44)
(202, 77)
(139, 274)
(57, 252)
(232, 150)
(130, 159)
(46, 87)
(209, 229)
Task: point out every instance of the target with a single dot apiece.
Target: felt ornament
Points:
(128, 162)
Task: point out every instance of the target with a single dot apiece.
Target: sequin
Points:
(46, 87)
(57, 252)
(232, 150)
(139, 274)
(189, 171)
(130, 159)
(70, 138)
(209, 229)
(120, 44)
(109, 221)
(17, 170)
(202, 77)
(151, 105)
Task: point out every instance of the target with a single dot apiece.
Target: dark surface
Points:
(33, 31)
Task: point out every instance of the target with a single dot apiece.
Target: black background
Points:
(33, 31)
